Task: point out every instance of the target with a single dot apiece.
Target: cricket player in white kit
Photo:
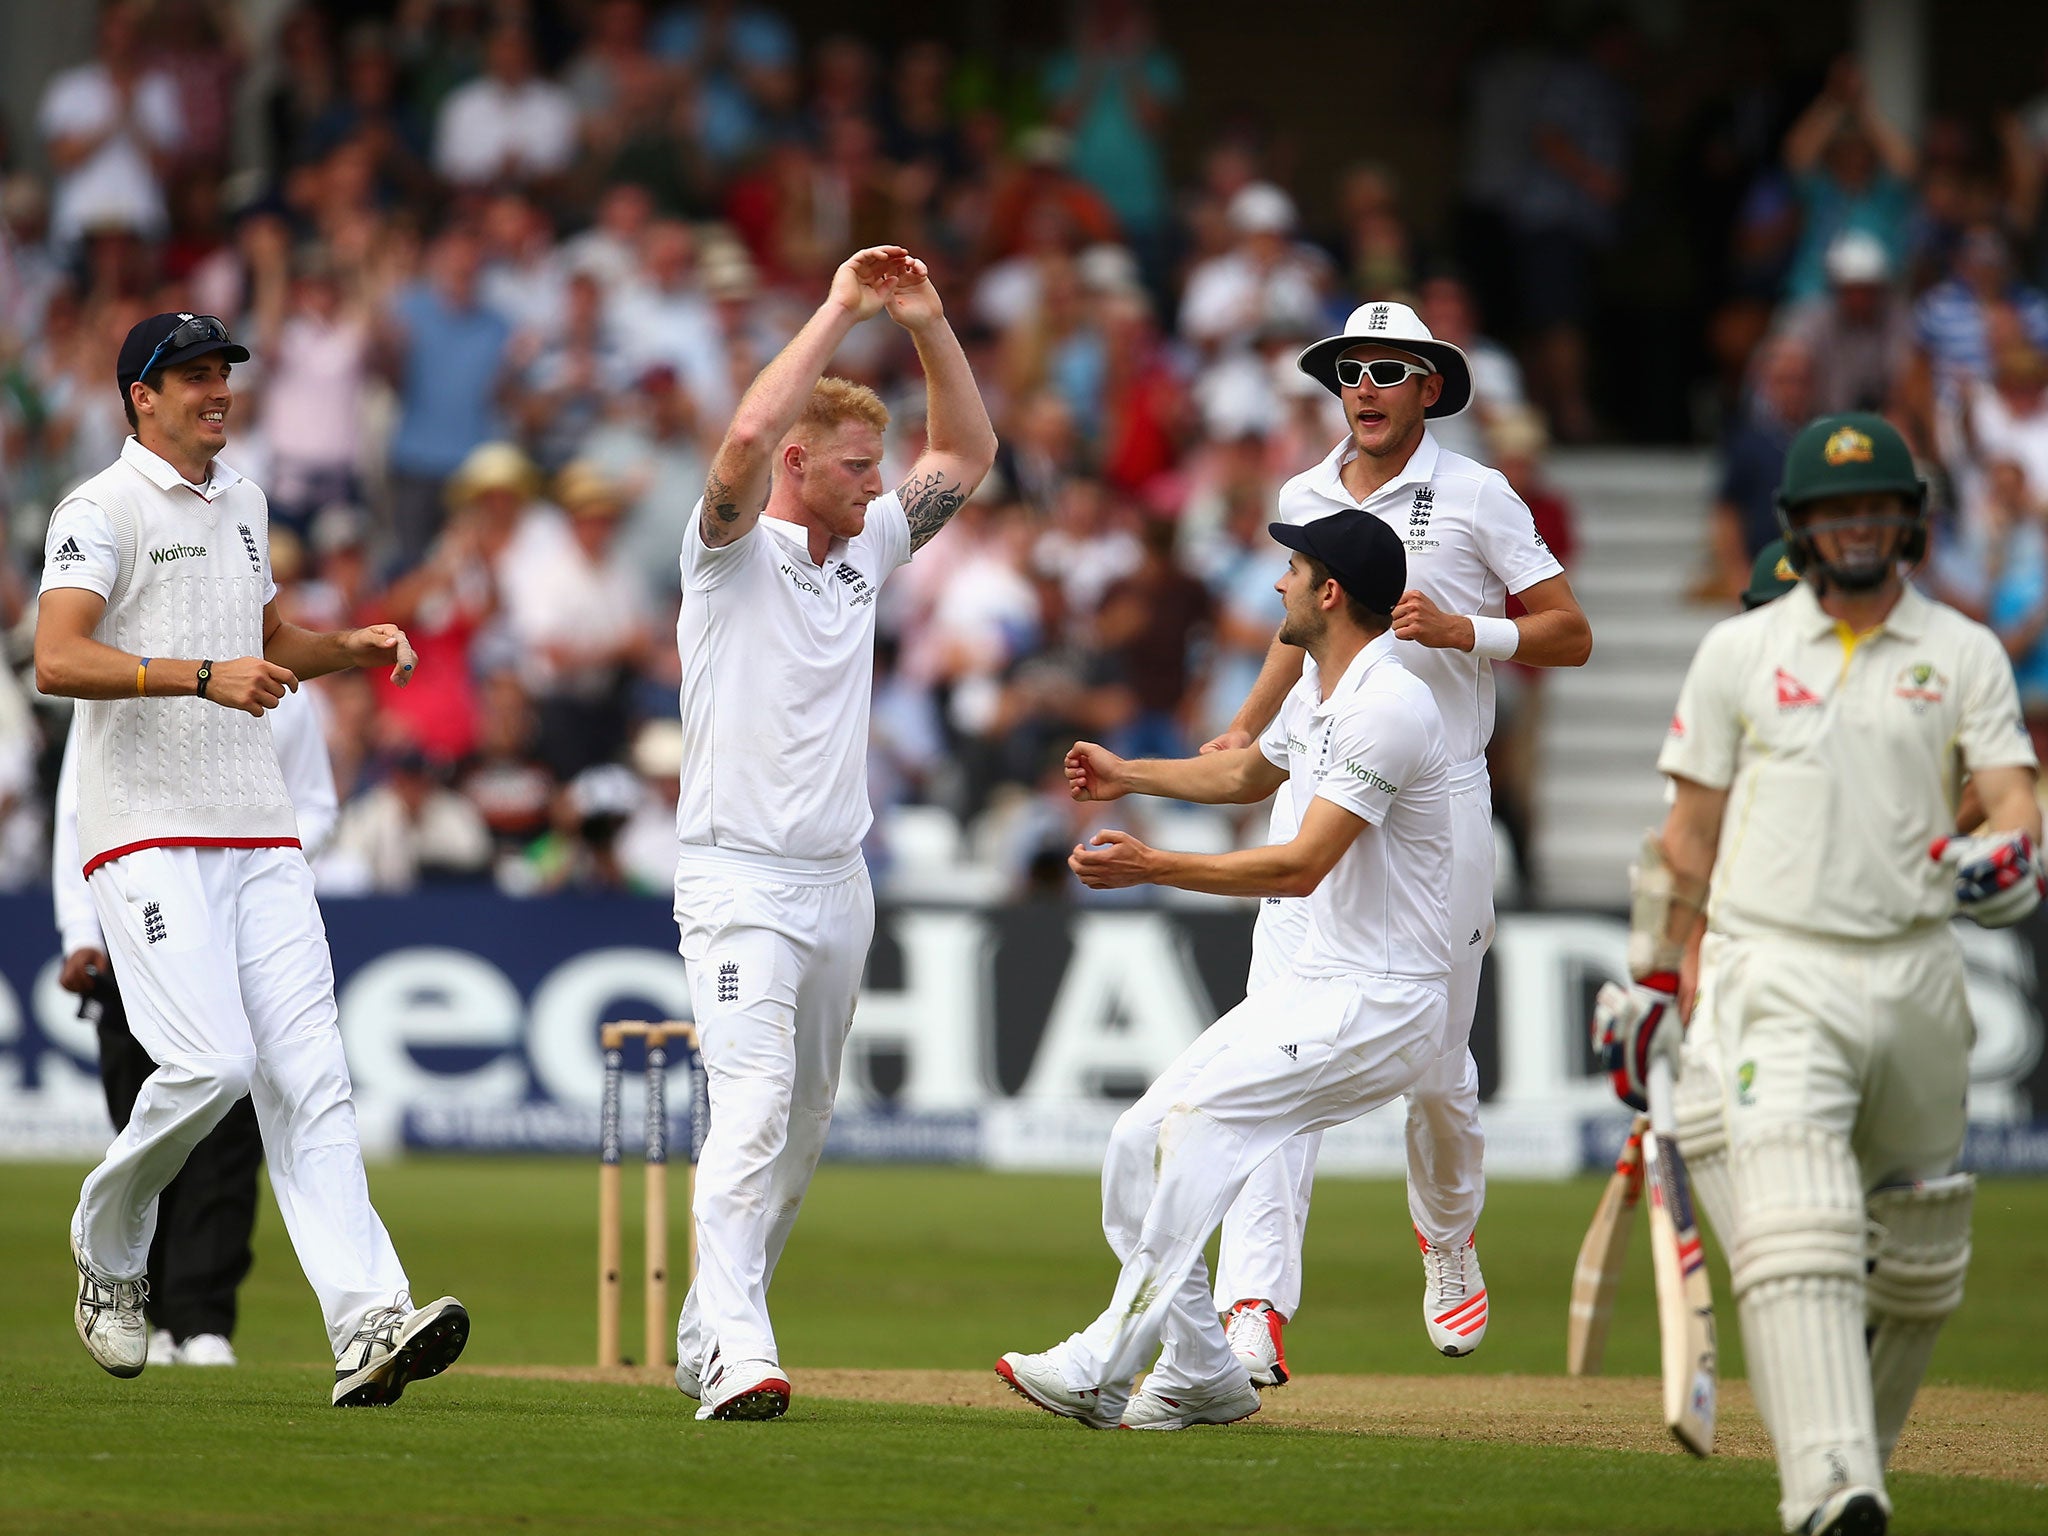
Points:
(158, 614)
(1470, 543)
(1359, 751)
(781, 567)
(1819, 752)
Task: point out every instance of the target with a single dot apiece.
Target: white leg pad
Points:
(1921, 1241)
(1703, 1139)
(1798, 1269)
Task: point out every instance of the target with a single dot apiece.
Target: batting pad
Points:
(1798, 1271)
(1702, 1131)
(1921, 1242)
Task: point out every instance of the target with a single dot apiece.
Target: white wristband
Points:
(1495, 639)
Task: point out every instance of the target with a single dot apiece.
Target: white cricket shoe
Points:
(688, 1381)
(1037, 1379)
(398, 1345)
(109, 1318)
(1253, 1329)
(1181, 1410)
(207, 1349)
(1453, 1296)
(163, 1349)
(1850, 1512)
(748, 1390)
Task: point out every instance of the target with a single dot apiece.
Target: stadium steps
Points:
(1641, 525)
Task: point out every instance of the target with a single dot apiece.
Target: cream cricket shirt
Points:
(185, 571)
(1470, 542)
(1376, 748)
(778, 662)
(1843, 757)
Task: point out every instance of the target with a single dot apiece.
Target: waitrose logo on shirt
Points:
(178, 552)
(1365, 775)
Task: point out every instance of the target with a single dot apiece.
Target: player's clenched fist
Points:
(1095, 773)
(250, 684)
(1111, 861)
(1417, 618)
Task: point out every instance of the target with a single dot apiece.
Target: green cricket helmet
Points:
(1771, 577)
(1856, 453)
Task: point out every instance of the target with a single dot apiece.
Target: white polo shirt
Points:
(1376, 748)
(778, 661)
(1471, 542)
(1843, 756)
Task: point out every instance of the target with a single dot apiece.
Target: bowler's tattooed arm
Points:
(929, 502)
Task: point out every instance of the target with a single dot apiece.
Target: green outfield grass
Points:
(891, 1268)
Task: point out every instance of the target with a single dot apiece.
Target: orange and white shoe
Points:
(1453, 1296)
(1253, 1329)
(744, 1390)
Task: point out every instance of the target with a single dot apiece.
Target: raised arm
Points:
(960, 442)
(736, 489)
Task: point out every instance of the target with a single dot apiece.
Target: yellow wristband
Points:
(142, 677)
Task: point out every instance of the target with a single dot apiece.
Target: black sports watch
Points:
(205, 677)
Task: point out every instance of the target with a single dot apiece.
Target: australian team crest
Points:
(1848, 446)
(1921, 685)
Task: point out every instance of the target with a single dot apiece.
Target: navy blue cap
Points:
(205, 334)
(1360, 550)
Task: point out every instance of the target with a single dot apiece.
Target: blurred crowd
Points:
(506, 265)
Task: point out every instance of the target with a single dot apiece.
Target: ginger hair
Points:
(835, 402)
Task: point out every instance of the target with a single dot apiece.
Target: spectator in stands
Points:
(448, 600)
(446, 351)
(647, 843)
(1852, 170)
(2007, 418)
(1112, 90)
(1859, 333)
(1446, 308)
(1155, 624)
(510, 126)
(1038, 192)
(580, 851)
(744, 59)
(370, 111)
(316, 335)
(610, 249)
(1954, 320)
(578, 617)
(410, 830)
(663, 317)
(651, 448)
(1515, 445)
(2015, 574)
(303, 92)
(563, 394)
(504, 779)
(522, 276)
(614, 50)
(1745, 516)
(1564, 209)
(1378, 248)
(1266, 277)
(111, 128)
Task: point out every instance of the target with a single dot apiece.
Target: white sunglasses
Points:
(1385, 372)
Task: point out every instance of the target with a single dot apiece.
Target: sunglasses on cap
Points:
(191, 332)
(1385, 372)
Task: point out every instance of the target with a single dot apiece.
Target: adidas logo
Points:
(1473, 940)
(1293, 1052)
(69, 551)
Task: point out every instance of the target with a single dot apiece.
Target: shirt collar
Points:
(1419, 470)
(162, 474)
(1907, 620)
(799, 537)
(1370, 655)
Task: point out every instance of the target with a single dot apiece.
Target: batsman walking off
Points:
(1818, 754)
(158, 614)
(786, 554)
(1470, 543)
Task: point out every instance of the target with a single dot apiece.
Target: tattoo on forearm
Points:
(929, 503)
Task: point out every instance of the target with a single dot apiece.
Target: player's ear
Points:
(1432, 389)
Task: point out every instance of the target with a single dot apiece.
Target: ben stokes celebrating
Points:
(153, 568)
(781, 567)
(1470, 543)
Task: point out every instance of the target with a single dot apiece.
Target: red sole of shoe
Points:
(768, 1400)
(1010, 1380)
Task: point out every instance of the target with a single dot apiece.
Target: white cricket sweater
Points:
(186, 573)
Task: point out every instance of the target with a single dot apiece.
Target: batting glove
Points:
(1999, 879)
(1632, 1025)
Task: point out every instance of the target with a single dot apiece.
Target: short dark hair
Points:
(1369, 619)
(156, 383)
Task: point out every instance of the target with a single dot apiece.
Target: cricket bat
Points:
(1685, 1306)
(1597, 1276)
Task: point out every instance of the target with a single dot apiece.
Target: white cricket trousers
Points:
(1259, 1257)
(224, 969)
(1302, 1055)
(776, 951)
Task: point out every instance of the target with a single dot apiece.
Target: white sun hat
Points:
(1392, 325)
